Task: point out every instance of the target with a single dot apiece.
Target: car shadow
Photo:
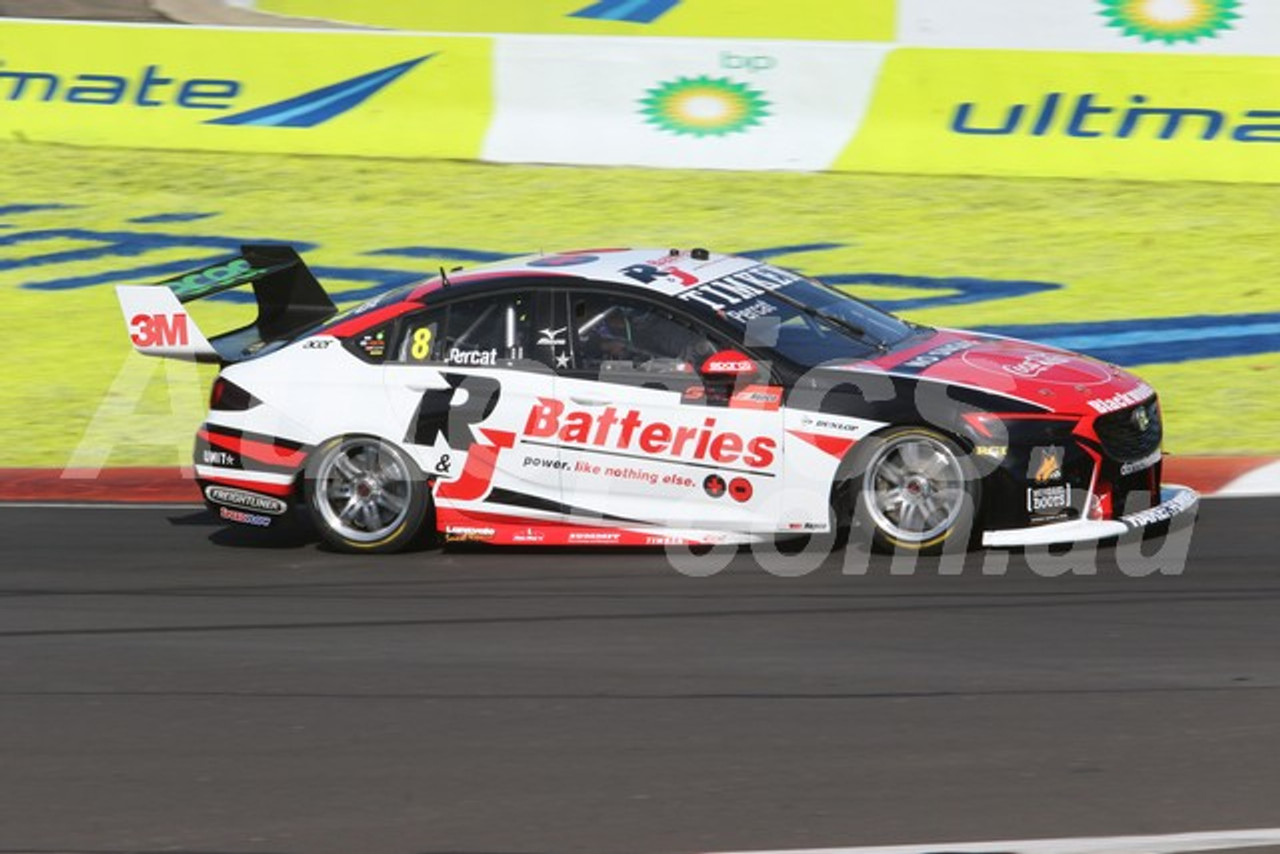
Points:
(285, 532)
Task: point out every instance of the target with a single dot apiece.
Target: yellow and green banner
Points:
(1086, 115)
(850, 106)
(307, 92)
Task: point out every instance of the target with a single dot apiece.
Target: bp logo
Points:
(1170, 21)
(703, 106)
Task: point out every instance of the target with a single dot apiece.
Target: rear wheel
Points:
(914, 491)
(366, 495)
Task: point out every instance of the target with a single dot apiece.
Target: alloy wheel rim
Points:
(914, 488)
(363, 490)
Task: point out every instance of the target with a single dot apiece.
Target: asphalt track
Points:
(165, 685)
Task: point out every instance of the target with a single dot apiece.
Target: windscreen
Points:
(801, 320)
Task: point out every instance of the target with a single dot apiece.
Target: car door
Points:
(642, 435)
(463, 378)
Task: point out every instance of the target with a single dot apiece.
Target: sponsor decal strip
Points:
(240, 498)
(279, 489)
(1121, 400)
(1142, 464)
(243, 518)
(279, 452)
(926, 355)
(647, 457)
(951, 383)
(592, 432)
(1161, 512)
(499, 529)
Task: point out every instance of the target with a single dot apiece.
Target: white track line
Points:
(1175, 843)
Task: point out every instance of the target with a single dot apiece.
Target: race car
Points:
(647, 397)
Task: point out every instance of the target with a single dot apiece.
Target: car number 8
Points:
(421, 348)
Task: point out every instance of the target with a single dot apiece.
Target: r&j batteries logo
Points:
(704, 106)
(1170, 20)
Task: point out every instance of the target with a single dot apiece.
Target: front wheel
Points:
(366, 495)
(914, 491)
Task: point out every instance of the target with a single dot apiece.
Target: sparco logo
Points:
(245, 500)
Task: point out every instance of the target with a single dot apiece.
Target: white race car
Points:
(647, 397)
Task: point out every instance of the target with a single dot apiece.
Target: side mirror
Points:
(728, 364)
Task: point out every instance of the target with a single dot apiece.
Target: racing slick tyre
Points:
(914, 490)
(366, 495)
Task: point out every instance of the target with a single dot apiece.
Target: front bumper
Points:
(1175, 501)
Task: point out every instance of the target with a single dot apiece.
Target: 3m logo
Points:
(159, 330)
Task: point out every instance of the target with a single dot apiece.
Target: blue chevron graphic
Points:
(635, 11)
(1158, 340)
(318, 106)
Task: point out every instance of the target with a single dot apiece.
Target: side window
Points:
(371, 346)
(421, 341)
(612, 334)
(487, 330)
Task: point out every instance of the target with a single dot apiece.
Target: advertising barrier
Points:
(1072, 115)
(688, 103)
(1156, 26)
(664, 102)
(863, 20)
(305, 92)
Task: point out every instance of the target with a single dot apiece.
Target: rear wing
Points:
(289, 300)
